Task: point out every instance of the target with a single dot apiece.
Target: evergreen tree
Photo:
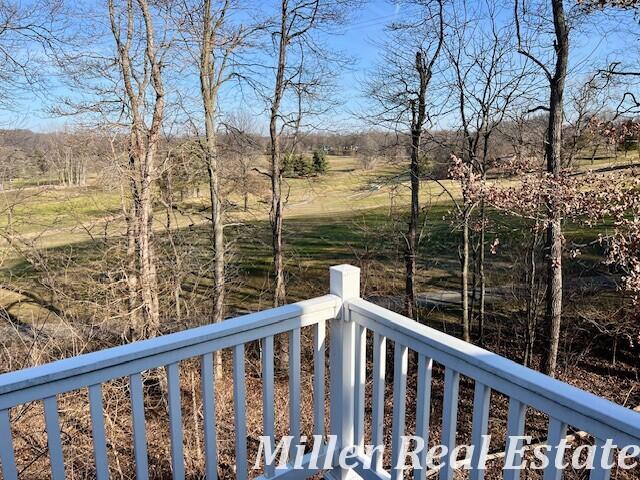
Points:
(302, 166)
(288, 162)
(320, 164)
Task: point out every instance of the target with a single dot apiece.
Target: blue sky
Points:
(361, 36)
(366, 26)
(598, 40)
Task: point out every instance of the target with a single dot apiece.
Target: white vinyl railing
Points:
(564, 404)
(352, 318)
(92, 370)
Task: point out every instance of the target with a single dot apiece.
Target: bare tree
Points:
(208, 26)
(141, 72)
(587, 100)
(300, 78)
(369, 150)
(68, 153)
(400, 92)
(295, 20)
(556, 77)
(242, 147)
(488, 83)
(28, 32)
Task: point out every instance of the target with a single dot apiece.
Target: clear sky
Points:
(361, 40)
(366, 26)
(596, 42)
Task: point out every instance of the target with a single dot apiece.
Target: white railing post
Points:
(345, 283)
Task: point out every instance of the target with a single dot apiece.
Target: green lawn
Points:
(345, 216)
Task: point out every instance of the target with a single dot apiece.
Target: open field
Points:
(349, 215)
(75, 235)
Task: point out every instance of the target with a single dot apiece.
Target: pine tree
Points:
(288, 164)
(320, 164)
(302, 166)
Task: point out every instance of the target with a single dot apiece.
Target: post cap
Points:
(344, 281)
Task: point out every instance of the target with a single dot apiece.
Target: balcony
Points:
(356, 327)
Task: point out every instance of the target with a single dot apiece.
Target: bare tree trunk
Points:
(473, 262)
(142, 148)
(276, 213)
(132, 272)
(553, 316)
(418, 111)
(424, 69)
(464, 288)
(217, 231)
(553, 247)
(218, 240)
(412, 234)
(530, 332)
(279, 292)
(148, 277)
(481, 273)
(209, 87)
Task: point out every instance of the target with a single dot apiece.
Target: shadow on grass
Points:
(312, 245)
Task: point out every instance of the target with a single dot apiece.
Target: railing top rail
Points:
(82, 364)
(580, 401)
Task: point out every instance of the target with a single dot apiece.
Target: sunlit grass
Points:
(346, 216)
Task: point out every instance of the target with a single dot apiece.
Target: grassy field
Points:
(54, 217)
(349, 215)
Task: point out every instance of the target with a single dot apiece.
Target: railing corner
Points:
(344, 283)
